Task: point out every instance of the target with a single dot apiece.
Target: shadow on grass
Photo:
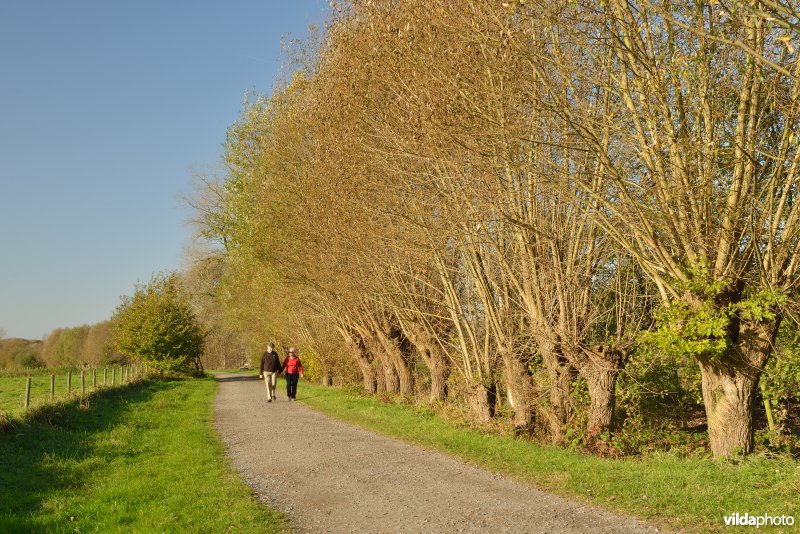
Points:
(42, 454)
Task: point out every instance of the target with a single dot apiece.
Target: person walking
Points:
(294, 370)
(270, 367)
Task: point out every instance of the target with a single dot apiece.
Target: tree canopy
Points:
(157, 326)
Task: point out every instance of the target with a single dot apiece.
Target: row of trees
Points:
(156, 325)
(510, 204)
(87, 345)
(90, 345)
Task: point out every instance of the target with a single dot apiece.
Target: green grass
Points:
(141, 458)
(663, 489)
(12, 389)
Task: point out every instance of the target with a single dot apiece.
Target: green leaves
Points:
(699, 324)
(762, 306)
(157, 326)
(694, 331)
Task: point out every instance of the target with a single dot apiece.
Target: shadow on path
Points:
(237, 378)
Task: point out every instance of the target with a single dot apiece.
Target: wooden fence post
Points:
(105, 375)
(113, 376)
(27, 392)
(69, 383)
(52, 387)
(94, 378)
(83, 383)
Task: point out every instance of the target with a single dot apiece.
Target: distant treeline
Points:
(87, 345)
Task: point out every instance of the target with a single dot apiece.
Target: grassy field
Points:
(663, 489)
(141, 458)
(12, 389)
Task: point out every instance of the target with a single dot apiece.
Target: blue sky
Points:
(106, 109)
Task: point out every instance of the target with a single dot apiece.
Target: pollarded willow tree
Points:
(700, 175)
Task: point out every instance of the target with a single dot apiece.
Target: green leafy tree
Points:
(157, 326)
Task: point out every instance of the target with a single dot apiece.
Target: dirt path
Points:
(329, 476)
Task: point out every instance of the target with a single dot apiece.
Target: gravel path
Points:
(329, 476)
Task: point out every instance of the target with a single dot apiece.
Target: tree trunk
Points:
(327, 379)
(356, 345)
(432, 354)
(387, 378)
(439, 374)
(391, 344)
(389, 381)
(520, 390)
(558, 412)
(380, 377)
(729, 387)
(481, 400)
(601, 369)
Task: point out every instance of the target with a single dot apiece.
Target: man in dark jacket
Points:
(294, 370)
(270, 367)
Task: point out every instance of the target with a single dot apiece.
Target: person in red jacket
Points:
(294, 370)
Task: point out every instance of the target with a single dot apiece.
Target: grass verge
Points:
(141, 458)
(664, 490)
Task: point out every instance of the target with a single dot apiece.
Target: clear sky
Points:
(106, 108)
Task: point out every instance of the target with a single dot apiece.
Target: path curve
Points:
(329, 476)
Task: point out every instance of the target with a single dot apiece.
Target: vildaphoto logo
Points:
(746, 520)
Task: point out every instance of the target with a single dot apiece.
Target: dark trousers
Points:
(291, 384)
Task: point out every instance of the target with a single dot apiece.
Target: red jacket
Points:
(292, 365)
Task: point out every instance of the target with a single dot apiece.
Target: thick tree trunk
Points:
(601, 369)
(432, 354)
(728, 395)
(729, 387)
(558, 412)
(357, 348)
(389, 381)
(520, 389)
(391, 344)
(380, 377)
(481, 400)
(327, 379)
(370, 382)
(601, 384)
(440, 371)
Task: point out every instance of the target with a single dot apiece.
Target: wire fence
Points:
(23, 393)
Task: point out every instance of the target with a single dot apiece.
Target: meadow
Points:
(12, 388)
(140, 458)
